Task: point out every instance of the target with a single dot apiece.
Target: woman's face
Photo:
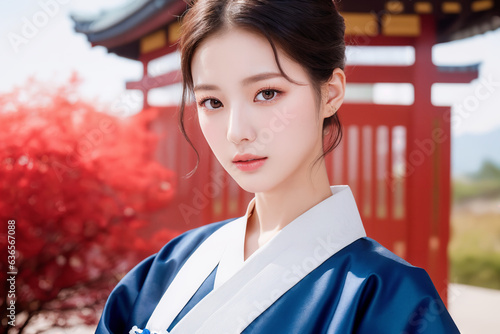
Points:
(264, 130)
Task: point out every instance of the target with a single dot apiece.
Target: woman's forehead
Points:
(235, 55)
(234, 50)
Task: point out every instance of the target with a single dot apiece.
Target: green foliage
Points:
(488, 171)
(485, 183)
(466, 190)
(475, 239)
(479, 269)
(475, 248)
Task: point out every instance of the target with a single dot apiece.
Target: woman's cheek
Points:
(302, 121)
(216, 136)
(209, 130)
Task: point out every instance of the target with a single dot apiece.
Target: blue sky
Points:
(55, 50)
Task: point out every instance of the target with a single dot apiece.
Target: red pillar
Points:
(426, 195)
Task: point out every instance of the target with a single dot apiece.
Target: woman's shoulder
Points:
(393, 293)
(370, 258)
(372, 251)
(387, 273)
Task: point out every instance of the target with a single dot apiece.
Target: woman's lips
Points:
(250, 164)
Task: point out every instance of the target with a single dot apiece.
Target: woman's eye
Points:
(212, 104)
(267, 94)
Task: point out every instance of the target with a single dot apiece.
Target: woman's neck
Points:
(278, 207)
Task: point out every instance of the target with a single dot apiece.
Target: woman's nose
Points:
(240, 125)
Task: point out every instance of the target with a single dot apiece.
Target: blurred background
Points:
(92, 165)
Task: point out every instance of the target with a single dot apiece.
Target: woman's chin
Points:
(253, 185)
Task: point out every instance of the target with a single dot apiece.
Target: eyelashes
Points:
(202, 103)
(276, 91)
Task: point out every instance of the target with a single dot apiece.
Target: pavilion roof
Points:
(120, 29)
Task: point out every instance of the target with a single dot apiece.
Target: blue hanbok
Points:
(319, 274)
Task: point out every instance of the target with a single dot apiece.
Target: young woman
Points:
(267, 77)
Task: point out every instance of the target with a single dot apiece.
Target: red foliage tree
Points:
(81, 186)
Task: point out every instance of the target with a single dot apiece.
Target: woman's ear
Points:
(333, 93)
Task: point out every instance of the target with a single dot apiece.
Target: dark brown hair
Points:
(311, 32)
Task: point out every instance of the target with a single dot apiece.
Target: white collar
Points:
(233, 256)
(323, 230)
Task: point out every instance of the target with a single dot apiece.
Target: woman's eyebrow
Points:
(244, 82)
(260, 77)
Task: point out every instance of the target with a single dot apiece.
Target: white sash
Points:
(244, 290)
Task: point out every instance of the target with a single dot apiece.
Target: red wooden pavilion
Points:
(396, 158)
